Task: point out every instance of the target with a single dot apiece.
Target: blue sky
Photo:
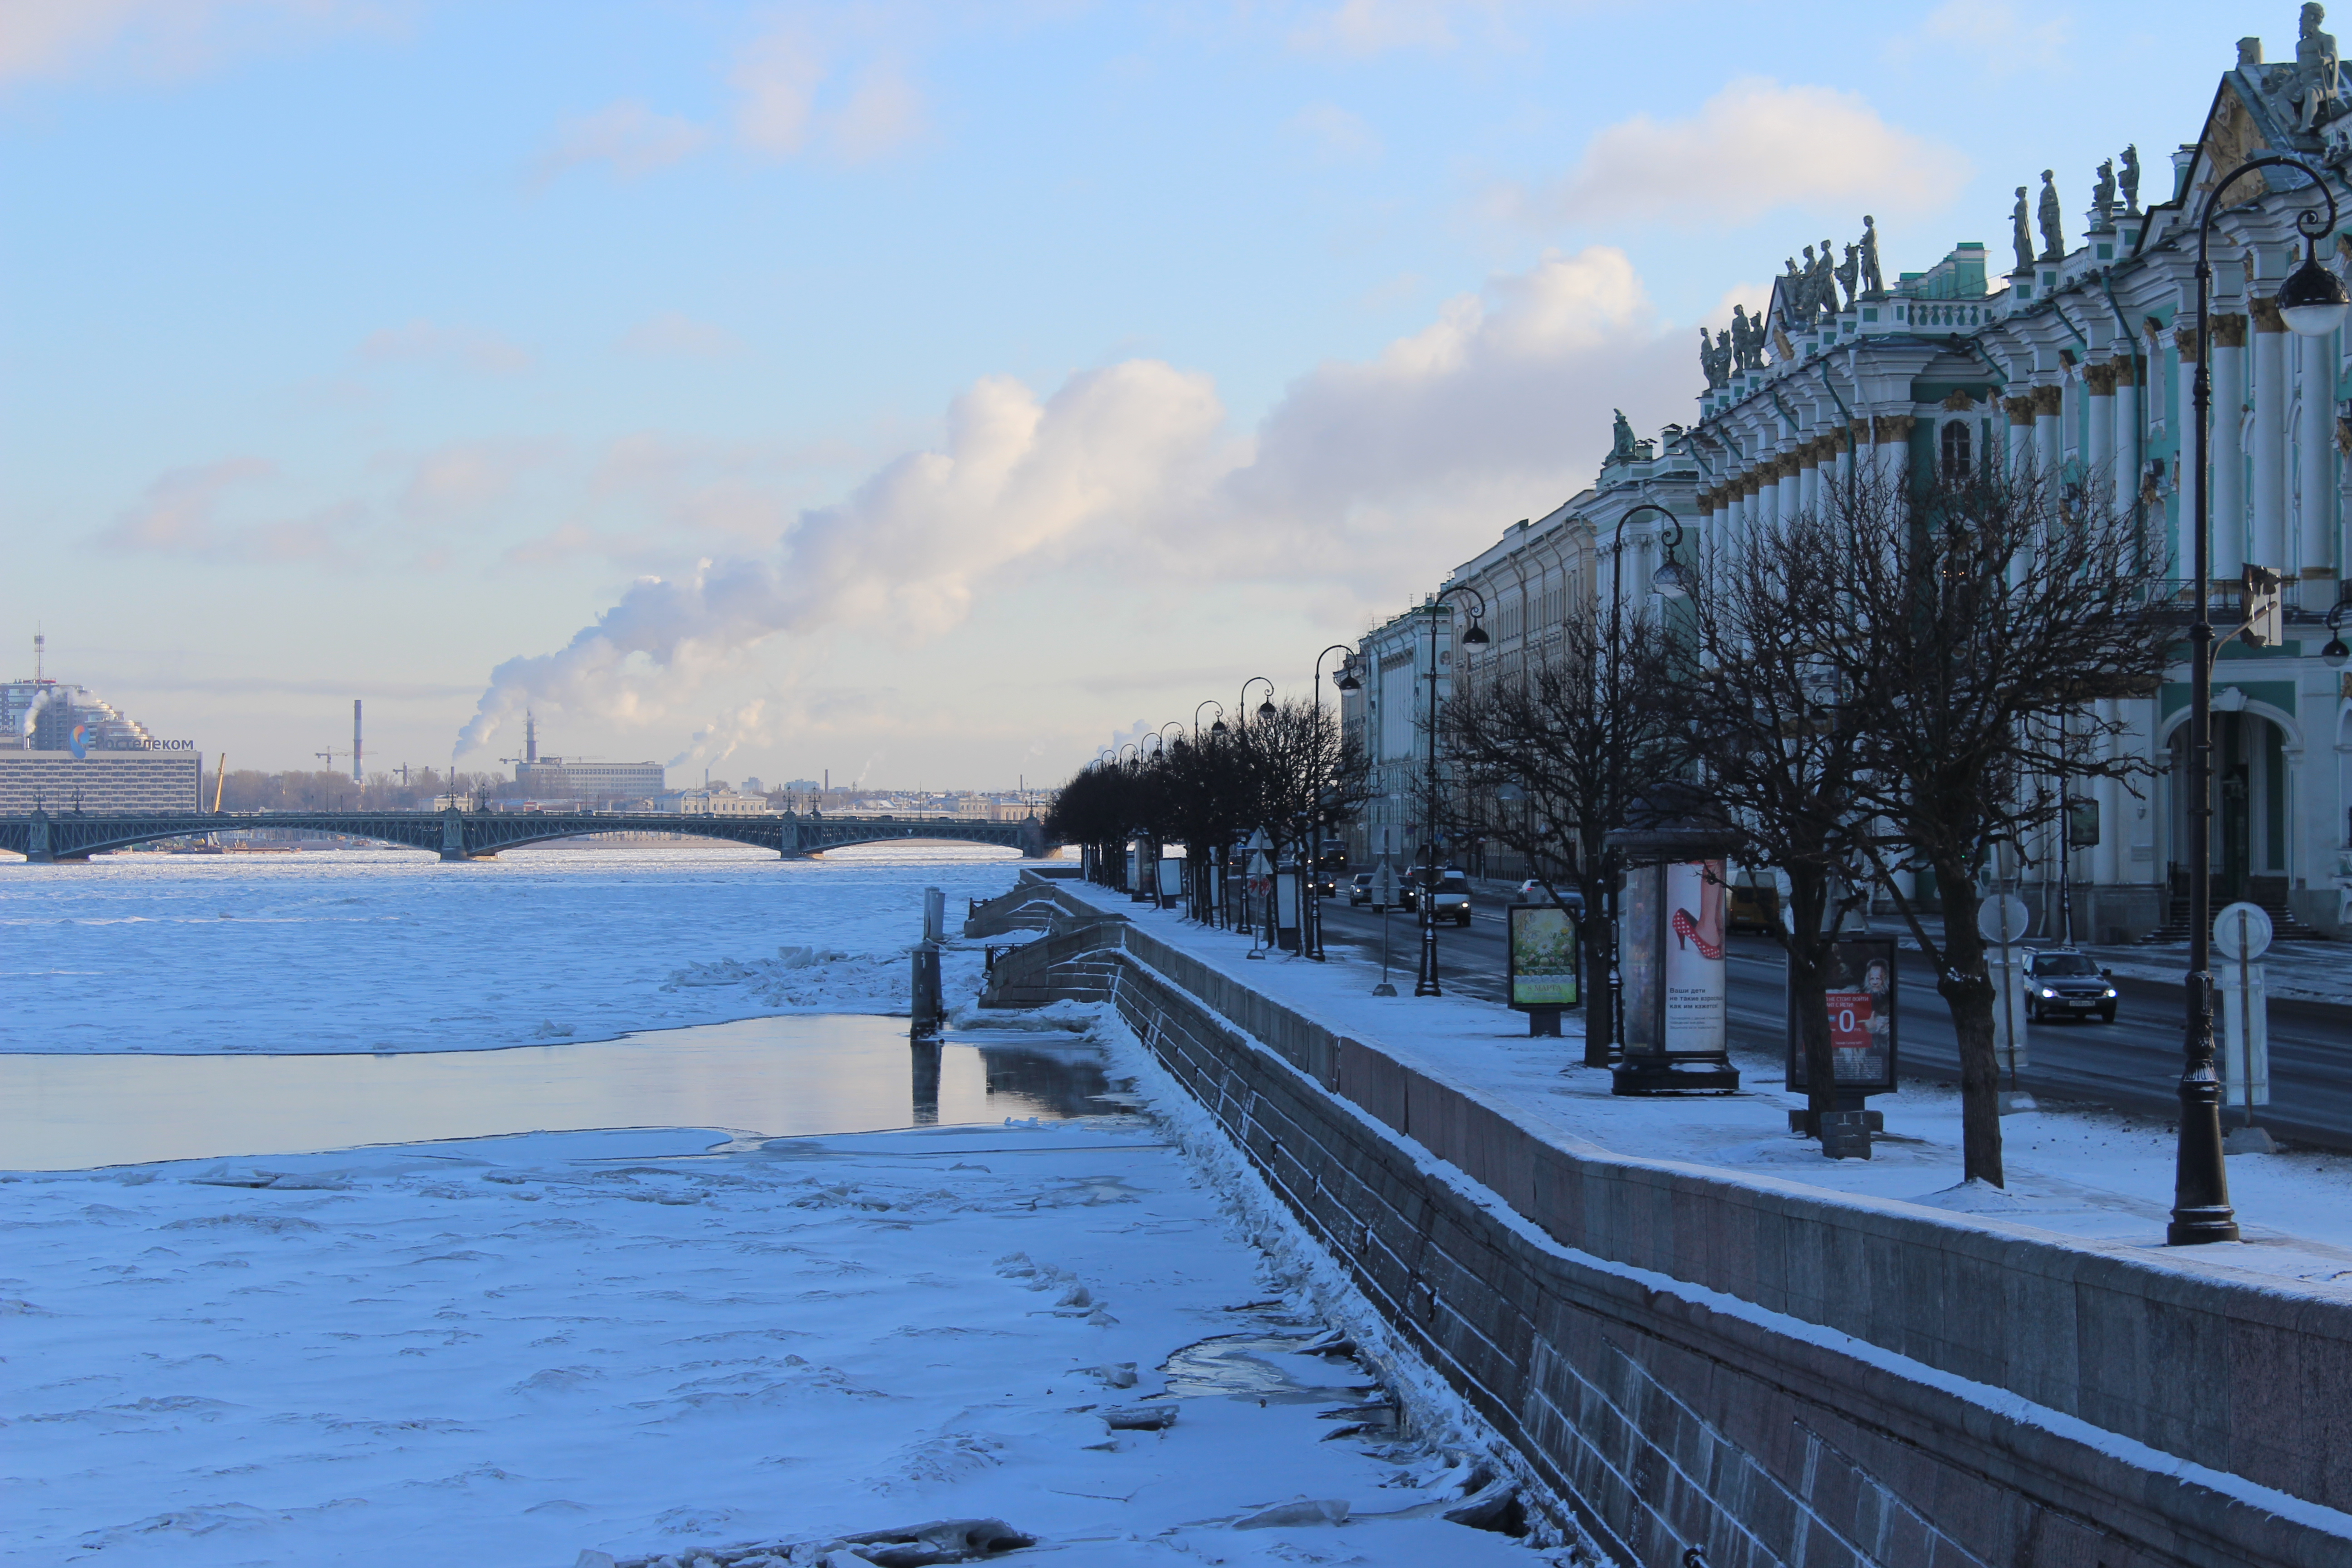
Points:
(926, 393)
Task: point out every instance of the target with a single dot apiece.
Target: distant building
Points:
(63, 748)
(553, 778)
(712, 803)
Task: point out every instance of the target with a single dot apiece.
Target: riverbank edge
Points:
(1772, 1377)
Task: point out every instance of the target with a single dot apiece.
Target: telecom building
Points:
(63, 748)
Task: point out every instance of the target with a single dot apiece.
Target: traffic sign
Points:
(1384, 887)
(2243, 931)
(1259, 866)
(2003, 920)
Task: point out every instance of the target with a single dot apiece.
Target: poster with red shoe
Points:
(1695, 977)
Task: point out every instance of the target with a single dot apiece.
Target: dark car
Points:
(1360, 887)
(2061, 983)
(1450, 900)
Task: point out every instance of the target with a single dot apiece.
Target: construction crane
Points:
(329, 757)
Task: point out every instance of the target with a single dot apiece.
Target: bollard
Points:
(929, 1013)
(935, 915)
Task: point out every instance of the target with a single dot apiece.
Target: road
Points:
(2133, 1063)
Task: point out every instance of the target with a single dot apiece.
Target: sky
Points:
(926, 395)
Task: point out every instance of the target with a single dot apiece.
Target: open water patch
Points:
(781, 1077)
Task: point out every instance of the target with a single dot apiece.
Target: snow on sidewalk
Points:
(507, 1351)
(2083, 1174)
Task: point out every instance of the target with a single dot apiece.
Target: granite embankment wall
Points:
(1766, 1375)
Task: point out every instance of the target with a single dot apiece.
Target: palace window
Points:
(1956, 448)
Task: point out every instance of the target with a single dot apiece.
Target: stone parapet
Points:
(1766, 1372)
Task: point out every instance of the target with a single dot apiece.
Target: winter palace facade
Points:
(2070, 346)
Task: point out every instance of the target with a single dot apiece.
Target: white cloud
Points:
(1368, 479)
(1754, 147)
(1990, 32)
(777, 77)
(464, 348)
(1334, 135)
(629, 136)
(1360, 27)
(58, 38)
(885, 112)
(794, 95)
(180, 514)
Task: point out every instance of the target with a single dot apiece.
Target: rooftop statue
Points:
(1709, 365)
(2317, 87)
(1874, 282)
(2129, 178)
(2102, 193)
(1848, 271)
(1620, 436)
(1746, 340)
(2054, 235)
(1723, 357)
(2020, 232)
(1825, 280)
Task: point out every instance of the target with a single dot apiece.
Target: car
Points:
(1532, 891)
(1360, 887)
(1450, 900)
(2061, 983)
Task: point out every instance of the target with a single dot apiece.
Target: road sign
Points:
(1259, 866)
(2243, 931)
(2003, 920)
(1384, 887)
(2265, 609)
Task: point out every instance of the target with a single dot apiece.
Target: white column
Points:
(2106, 860)
(1768, 497)
(1893, 451)
(1809, 478)
(1791, 498)
(2047, 452)
(2225, 440)
(2315, 473)
(1846, 446)
(2099, 453)
(2127, 426)
(2266, 545)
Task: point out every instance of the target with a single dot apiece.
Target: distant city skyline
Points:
(917, 392)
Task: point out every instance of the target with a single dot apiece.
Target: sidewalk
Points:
(2081, 1175)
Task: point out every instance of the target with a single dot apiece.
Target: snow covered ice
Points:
(649, 1343)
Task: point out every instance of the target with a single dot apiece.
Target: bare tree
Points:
(1545, 759)
(1981, 609)
(1781, 751)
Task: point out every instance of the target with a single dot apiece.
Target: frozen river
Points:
(474, 1327)
(377, 950)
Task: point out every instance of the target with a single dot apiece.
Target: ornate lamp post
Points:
(1264, 708)
(1345, 682)
(1216, 729)
(1425, 983)
(2313, 302)
(1672, 581)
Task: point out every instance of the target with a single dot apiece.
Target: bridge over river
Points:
(455, 835)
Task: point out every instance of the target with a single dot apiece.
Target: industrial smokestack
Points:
(529, 736)
(356, 776)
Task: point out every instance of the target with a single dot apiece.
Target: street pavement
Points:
(2131, 1064)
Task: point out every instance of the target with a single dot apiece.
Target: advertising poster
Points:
(1637, 961)
(1543, 956)
(1695, 974)
(1861, 991)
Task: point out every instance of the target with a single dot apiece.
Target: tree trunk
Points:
(1968, 991)
(1808, 947)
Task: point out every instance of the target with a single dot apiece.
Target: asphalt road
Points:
(2133, 1063)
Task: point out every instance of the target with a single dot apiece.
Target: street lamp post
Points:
(1345, 680)
(2312, 299)
(1425, 983)
(1672, 581)
(1218, 728)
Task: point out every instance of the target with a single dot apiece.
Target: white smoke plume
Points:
(1377, 475)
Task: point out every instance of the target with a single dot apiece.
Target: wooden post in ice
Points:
(929, 1006)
